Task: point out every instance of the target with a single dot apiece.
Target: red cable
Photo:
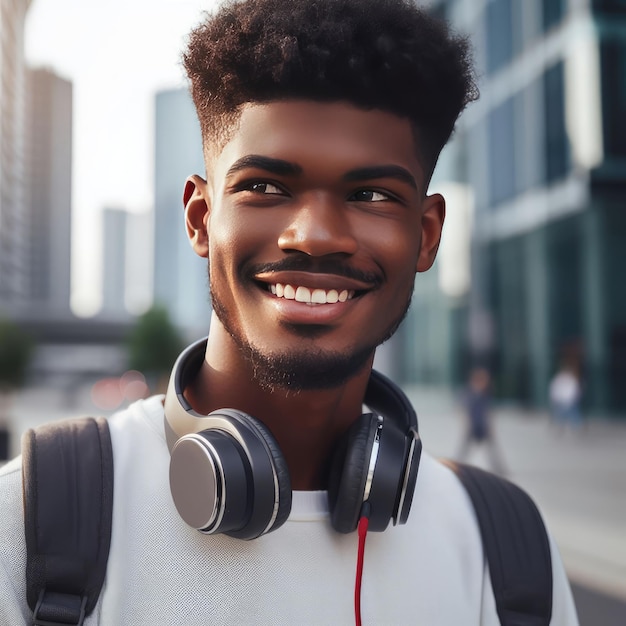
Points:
(362, 530)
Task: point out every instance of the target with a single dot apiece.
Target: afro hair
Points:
(376, 54)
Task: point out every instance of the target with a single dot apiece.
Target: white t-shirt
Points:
(429, 572)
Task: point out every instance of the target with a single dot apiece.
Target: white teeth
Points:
(319, 296)
(332, 296)
(303, 295)
(308, 296)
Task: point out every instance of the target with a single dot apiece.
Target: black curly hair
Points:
(376, 54)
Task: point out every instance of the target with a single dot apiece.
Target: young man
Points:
(322, 121)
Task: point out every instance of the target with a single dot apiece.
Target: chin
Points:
(308, 370)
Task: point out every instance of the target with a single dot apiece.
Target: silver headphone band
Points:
(373, 461)
(407, 473)
(182, 420)
(276, 502)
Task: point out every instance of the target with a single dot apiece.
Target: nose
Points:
(319, 227)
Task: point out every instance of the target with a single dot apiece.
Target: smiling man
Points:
(238, 496)
(315, 219)
(319, 213)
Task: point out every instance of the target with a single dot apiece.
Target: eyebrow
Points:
(256, 161)
(382, 171)
(281, 167)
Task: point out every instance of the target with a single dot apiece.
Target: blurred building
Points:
(13, 273)
(126, 263)
(541, 160)
(114, 262)
(180, 276)
(139, 262)
(49, 192)
(35, 178)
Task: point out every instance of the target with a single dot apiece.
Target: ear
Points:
(433, 216)
(197, 211)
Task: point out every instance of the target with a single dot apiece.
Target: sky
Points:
(118, 54)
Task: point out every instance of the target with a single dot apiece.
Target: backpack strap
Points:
(68, 508)
(516, 545)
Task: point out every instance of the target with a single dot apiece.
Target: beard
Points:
(307, 369)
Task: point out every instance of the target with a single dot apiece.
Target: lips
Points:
(313, 287)
(300, 293)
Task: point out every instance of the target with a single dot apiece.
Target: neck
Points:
(306, 424)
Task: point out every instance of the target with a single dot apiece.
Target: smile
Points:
(310, 296)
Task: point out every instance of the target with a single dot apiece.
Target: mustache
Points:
(305, 263)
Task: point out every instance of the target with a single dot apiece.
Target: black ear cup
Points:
(349, 473)
(368, 466)
(282, 506)
(231, 478)
(386, 492)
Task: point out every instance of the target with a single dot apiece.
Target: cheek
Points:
(243, 232)
(398, 251)
(228, 238)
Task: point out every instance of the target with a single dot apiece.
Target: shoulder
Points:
(455, 503)
(144, 416)
(11, 493)
(13, 608)
(137, 434)
(438, 486)
(12, 517)
(442, 508)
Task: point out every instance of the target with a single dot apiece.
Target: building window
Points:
(502, 152)
(556, 141)
(609, 6)
(552, 12)
(499, 34)
(613, 59)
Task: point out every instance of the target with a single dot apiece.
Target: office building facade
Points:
(49, 192)
(114, 244)
(543, 153)
(13, 238)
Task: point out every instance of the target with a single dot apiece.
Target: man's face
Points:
(316, 223)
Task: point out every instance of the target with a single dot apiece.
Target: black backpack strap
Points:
(68, 506)
(516, 545)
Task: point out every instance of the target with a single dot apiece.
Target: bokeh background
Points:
(99, 288)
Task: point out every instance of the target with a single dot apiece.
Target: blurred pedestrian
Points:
(479, 431)
(565, 395)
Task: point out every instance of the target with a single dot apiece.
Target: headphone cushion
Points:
(348, 475)
(282, 472)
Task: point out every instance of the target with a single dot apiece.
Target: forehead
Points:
(314, 134)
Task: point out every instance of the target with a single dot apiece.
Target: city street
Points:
(578, 479)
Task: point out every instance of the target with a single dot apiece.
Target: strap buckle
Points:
(59, 609)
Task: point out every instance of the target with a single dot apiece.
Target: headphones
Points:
(228, 475)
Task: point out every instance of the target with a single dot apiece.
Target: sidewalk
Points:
(577, 479)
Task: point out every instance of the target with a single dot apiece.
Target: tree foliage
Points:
(16, 349)
(154, 343)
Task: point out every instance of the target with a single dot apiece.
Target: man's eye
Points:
(266, 188)
(369, 195)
